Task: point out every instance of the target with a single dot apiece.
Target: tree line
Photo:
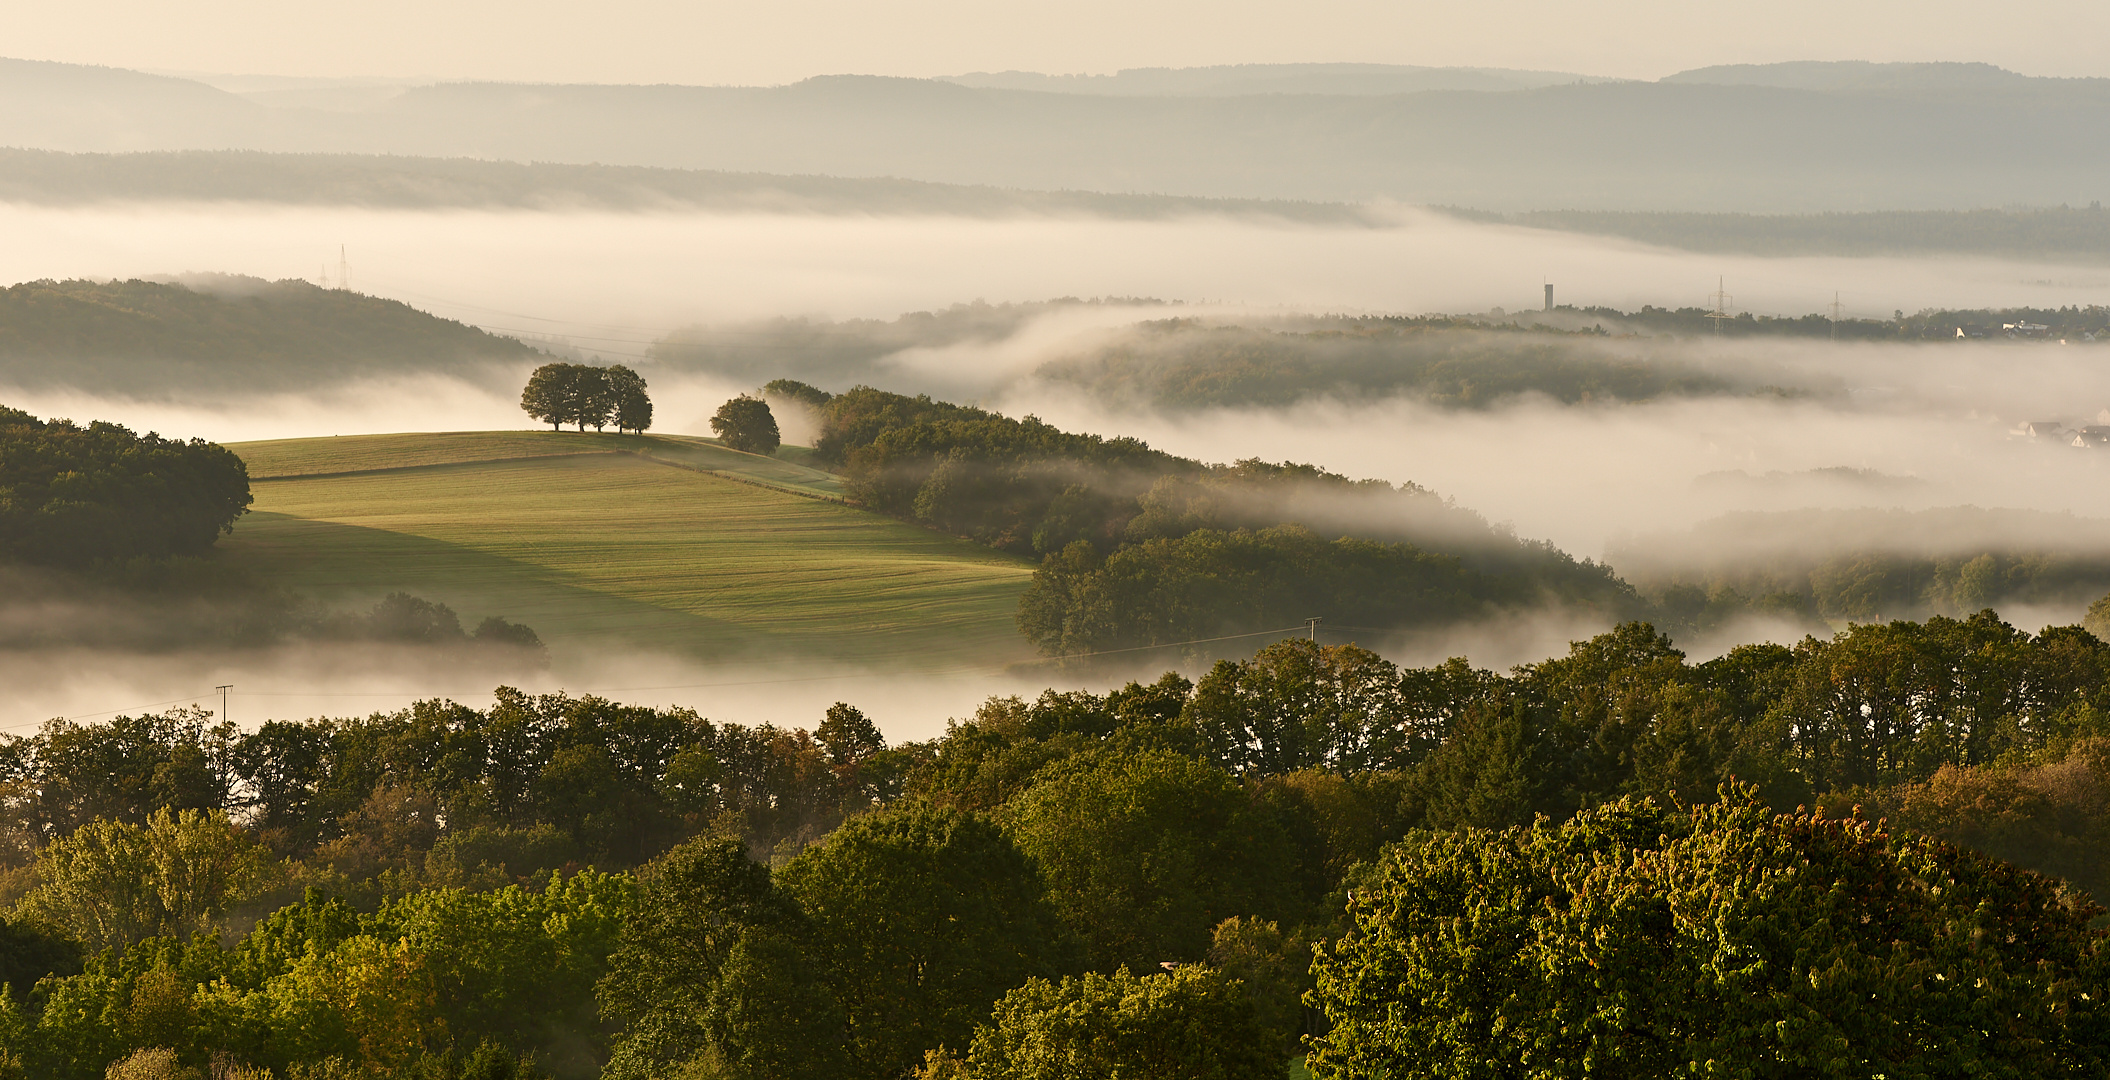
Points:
(582, 394)
(1441, 870)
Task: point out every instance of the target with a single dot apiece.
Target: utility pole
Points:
(1720, 298)
(224, 692)
(1311, 629)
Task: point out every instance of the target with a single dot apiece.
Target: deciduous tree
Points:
(746, 424)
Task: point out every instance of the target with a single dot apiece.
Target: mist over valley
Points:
(1180, 571)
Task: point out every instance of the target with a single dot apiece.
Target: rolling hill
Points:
(624, 543)
(223, 332)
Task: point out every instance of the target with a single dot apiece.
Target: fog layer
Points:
(616, 281)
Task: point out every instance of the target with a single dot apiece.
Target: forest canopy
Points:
(578, 888)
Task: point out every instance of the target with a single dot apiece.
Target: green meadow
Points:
(645, 542)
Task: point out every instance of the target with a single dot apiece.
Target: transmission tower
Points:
(344, 270)
(1720, 299)
(1836, 308)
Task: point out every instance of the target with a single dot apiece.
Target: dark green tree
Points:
(1145, 852)
(694, 906)
(1298, 704)
(1634, 941)
(920, 917)
(1191, 1023)
(746, 424)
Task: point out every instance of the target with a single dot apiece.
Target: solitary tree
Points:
(745, 423)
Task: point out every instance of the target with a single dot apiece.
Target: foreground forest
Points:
(1181, 879)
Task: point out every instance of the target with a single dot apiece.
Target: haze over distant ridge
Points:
(1794, 137)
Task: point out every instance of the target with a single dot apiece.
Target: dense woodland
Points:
(1142, 548)
(227, 333)
(633, 892)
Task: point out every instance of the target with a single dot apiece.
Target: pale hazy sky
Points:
(775, 41)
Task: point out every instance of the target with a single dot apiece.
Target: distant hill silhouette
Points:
(1795, 137)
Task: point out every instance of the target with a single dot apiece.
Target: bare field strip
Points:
(602, 549)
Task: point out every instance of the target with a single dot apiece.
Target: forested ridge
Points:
(221, 332)
(1143, 548)
(393, 180)
(1450, 362)
(575, 887)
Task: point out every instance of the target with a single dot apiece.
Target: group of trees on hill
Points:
(582, 394)
(1440, 870)
(73, 496)
(1140, 547)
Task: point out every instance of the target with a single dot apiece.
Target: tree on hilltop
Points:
(745, 423)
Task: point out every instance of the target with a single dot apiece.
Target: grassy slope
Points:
(618, 541)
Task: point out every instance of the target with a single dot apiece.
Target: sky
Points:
(717, 42)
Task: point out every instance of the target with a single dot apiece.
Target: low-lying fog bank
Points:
(626, 278)
(296, 683)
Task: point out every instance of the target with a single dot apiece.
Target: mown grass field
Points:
(661, 543)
